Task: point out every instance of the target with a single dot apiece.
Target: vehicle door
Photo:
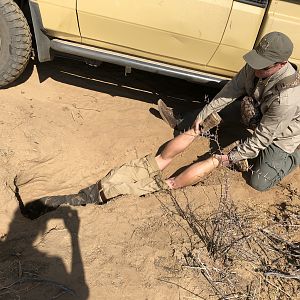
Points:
(184, 33)
(284, 16)
(59, 18)
(240, 35)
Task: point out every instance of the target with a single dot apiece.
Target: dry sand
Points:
(64, 126)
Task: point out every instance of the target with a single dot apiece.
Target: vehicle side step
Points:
(133, 62)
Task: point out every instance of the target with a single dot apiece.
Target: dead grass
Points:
(242, 253)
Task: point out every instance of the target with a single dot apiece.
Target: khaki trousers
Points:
(137, 177)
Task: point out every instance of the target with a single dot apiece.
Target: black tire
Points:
(15, 42)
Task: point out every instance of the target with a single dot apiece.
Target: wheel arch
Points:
(32, 13)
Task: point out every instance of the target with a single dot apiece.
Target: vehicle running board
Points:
(132, 62)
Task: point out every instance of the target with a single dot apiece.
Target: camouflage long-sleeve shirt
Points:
(280, 123)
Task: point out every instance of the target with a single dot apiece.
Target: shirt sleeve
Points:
(230, 92)
(274, 121)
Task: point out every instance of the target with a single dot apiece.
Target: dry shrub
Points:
(243, 253)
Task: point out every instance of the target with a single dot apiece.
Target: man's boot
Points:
(185, 122)
(87, 195)
(211, 122)
(167, 114)
(41, 206)
(242, 165)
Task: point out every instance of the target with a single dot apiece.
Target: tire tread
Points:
(20, 39)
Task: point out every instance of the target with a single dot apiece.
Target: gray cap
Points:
(274, 47)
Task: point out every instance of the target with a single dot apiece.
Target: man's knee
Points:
(260, 183)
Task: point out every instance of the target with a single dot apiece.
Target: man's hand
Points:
(197, 126)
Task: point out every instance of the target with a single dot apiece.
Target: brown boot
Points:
(211, 121)
(167, 114)
(242, 165)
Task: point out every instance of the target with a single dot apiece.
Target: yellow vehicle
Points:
(197, 40)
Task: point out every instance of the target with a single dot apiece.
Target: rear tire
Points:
(15, 42)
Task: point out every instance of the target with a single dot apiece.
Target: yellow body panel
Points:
(239, 37)
(284, 16)
(59, 18)
(206, 35)
(181, 32)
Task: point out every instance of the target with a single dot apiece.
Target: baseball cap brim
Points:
(256, 61)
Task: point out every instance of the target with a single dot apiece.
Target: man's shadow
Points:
(28, 273)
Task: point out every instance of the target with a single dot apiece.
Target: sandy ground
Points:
(63, 126)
